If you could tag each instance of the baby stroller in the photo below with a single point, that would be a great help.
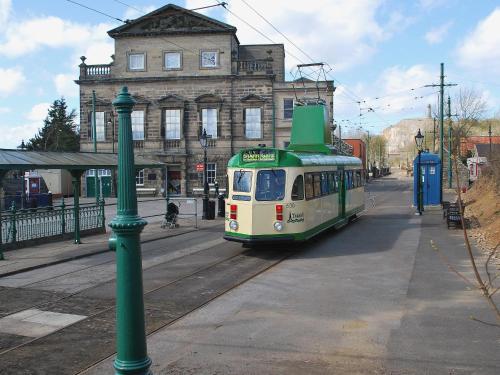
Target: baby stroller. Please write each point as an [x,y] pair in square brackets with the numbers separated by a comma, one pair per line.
[170,219]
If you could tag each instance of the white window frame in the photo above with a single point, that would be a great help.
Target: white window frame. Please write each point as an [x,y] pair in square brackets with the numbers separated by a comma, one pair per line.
[100,126]
[104,172]
[139,177]
[210,66]
[165,60]
[211,173]
[208,121]
[137,118]
[130,56]
[173,128]
[253,123]
[293,105]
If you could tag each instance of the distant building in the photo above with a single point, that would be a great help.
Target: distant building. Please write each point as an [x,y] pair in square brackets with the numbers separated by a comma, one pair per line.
[188,72]
[481,158]
[467,144]
[358,149]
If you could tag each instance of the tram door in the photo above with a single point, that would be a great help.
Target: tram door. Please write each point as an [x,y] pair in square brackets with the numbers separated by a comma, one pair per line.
[341,192]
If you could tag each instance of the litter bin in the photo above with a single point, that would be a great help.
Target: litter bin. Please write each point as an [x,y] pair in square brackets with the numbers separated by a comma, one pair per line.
[211,210]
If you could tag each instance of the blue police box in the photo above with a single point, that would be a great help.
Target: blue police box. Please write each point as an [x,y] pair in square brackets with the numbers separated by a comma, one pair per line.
[430,170]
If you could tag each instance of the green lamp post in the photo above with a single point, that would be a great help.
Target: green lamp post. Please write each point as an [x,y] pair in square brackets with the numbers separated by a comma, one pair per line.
[131,357]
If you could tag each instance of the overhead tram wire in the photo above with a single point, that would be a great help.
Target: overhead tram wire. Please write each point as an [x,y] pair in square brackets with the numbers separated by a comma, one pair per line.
[126,21]
[257,30]
[95,10]
[283,35]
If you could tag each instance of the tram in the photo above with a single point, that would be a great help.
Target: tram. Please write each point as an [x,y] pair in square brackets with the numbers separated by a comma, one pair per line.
[293,194]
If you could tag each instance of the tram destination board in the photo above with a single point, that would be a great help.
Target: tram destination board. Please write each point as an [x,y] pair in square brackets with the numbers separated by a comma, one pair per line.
[249,156]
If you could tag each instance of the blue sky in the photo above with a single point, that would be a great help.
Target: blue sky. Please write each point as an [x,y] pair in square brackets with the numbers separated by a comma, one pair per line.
[376,48]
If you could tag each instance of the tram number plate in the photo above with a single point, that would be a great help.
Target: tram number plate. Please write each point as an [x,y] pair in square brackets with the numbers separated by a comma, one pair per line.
[258,155]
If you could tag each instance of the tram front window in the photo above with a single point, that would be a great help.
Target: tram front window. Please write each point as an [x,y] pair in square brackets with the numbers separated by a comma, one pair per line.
[270,185]
[242,181]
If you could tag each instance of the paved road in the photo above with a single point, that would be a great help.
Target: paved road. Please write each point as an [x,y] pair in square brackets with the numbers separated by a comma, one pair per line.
[372,298]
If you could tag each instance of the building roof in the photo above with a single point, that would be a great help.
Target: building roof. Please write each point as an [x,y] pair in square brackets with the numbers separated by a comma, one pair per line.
[171,19]
[18,159]
[483,150]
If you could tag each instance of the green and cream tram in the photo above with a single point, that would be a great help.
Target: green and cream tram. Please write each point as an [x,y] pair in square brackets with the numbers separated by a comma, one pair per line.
[293,194]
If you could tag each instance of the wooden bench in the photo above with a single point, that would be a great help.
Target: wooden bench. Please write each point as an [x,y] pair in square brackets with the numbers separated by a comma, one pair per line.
[141,191]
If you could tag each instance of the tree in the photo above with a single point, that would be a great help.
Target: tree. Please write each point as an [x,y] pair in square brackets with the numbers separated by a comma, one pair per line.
[470,107]
[59,132]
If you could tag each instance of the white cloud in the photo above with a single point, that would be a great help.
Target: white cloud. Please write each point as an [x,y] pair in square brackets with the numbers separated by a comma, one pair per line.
[431,4]
[13,135]
[437,35]
[65,85]
[480,50]
[394,90]
[38,113]
[5,9]
[4,110]
[11,80]
[343,33]
[28,36]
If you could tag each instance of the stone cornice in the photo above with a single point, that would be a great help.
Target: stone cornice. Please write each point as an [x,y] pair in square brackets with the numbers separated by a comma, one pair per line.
[182,78]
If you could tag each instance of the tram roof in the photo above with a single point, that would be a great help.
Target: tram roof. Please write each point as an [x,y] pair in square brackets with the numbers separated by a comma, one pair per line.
[20,159]
[249,158]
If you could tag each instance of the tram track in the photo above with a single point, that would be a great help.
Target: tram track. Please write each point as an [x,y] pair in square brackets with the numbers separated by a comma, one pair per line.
[164,305]
[32,286]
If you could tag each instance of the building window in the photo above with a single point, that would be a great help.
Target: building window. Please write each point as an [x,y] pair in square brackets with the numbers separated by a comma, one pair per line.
[209,59]
[139,177]
[137,125]
[253,129]
[173,60]
[172,124]
[287,108]
[209,121]
[211,172]
[136,61]
[99,126]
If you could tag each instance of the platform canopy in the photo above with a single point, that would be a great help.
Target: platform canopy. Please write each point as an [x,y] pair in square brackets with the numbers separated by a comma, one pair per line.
[20,159]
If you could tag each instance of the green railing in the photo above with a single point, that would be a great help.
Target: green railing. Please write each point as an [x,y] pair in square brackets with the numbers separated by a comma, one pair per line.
[18,226]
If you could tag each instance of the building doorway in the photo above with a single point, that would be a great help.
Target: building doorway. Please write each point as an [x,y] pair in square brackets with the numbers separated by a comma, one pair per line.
[174,181]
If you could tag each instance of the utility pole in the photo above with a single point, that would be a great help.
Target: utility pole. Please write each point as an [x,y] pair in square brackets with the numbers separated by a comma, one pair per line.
[434,136]
[449,144]
[441,86]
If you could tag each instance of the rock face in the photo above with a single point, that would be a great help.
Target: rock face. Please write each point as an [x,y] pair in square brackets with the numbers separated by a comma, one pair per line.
[401,146]
[401,139]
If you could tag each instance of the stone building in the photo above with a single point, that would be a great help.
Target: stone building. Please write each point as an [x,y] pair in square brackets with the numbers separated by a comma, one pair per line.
[188,72]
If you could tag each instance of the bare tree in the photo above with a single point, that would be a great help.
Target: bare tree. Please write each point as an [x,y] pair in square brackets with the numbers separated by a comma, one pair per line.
[470,107]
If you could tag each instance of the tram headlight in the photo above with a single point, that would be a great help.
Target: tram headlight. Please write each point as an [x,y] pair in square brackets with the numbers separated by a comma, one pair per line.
[233,224]
[278,226]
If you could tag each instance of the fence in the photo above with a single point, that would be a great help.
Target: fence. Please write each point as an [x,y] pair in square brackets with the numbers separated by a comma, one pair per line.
[21,227]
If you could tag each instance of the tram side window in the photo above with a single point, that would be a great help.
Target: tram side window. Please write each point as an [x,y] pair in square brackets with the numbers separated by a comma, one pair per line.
[324,183]
[336,177]
[298,189]
[242,181]
[317,184]
[270,185]
[331,183]
[309,186]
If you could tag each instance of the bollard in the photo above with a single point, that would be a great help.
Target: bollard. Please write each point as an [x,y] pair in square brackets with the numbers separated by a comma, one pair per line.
[131,349]
[221,205]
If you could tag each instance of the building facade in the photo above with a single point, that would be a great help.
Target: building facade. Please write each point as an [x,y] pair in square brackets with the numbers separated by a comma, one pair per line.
[189,73]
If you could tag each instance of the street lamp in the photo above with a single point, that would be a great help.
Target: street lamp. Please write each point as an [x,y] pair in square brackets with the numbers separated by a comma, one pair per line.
[204,144]
[419,139]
